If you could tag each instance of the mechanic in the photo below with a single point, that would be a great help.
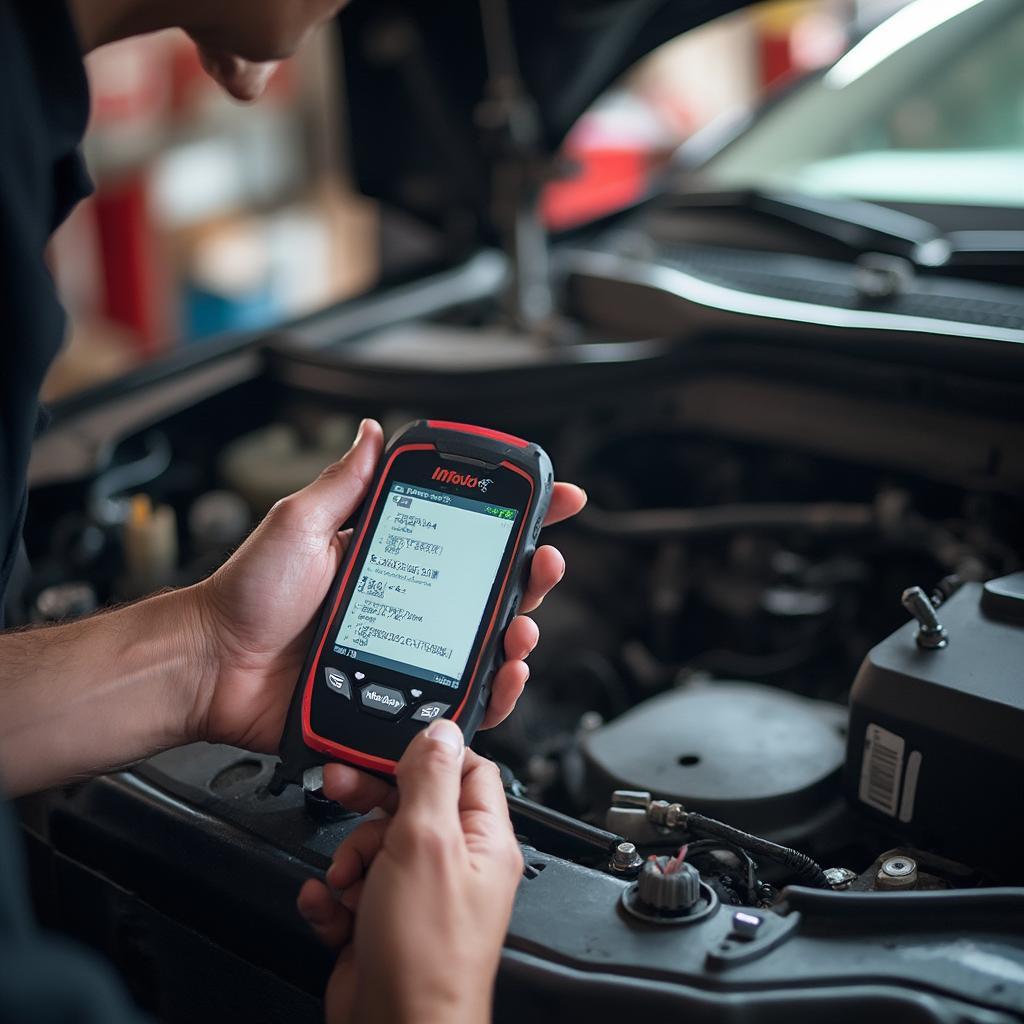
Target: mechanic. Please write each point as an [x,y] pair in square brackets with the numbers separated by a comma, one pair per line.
[420,934]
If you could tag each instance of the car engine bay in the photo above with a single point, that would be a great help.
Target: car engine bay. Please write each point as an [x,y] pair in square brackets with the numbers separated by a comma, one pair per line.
[768,765]
[740,775]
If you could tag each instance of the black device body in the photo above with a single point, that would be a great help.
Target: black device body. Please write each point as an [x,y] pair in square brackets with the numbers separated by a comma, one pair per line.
[447,532]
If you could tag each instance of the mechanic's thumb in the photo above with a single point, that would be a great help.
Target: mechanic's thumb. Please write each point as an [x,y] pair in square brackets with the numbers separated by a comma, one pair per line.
[336,493]
[430,775]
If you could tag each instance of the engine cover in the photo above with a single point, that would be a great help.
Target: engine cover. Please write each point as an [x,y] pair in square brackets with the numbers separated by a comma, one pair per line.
[759,758]
[935,744]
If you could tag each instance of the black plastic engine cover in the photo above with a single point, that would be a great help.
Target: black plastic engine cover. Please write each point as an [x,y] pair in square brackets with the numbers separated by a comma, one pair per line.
[755,756]
[936,741]
[184,872]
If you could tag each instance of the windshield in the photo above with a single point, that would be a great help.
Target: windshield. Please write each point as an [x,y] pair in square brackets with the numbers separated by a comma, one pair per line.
[928,107]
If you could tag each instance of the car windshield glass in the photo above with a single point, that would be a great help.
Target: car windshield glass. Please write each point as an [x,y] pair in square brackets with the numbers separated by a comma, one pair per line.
[928,107]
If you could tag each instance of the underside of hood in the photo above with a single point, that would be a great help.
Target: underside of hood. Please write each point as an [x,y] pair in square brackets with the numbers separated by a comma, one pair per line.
[448,119]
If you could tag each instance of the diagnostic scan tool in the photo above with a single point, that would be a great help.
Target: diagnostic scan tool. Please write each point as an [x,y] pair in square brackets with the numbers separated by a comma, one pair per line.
[412,628]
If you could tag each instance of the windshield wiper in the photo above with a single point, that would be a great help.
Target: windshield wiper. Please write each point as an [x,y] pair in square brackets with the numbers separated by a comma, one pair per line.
[994,248]
[867,227]
[859,225]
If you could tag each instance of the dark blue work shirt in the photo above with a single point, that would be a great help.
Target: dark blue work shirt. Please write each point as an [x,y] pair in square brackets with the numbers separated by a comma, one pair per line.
[44,105]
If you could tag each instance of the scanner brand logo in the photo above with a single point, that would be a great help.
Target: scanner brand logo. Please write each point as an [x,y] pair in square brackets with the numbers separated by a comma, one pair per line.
[449,476]
[375,697]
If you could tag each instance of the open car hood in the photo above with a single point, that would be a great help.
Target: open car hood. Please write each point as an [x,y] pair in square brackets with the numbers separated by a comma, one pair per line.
[432,125]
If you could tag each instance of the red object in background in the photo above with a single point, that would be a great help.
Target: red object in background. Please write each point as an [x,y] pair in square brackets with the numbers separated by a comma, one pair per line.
[130,87]
[776,55]
[188,79]
[605,180]
[794,39]
[131,292]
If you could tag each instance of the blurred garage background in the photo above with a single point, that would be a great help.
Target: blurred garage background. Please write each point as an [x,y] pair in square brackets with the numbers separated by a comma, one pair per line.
[211,216]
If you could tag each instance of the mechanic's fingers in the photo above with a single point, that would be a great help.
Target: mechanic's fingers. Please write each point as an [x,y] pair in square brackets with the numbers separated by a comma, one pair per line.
[334,495]
[351,896]
[243,79]
[330,922]
[482,789]
[483,813]
[429,777]
[507,688]
[566,501]
[546,569]
[521,638]
[357,790]
[355,854]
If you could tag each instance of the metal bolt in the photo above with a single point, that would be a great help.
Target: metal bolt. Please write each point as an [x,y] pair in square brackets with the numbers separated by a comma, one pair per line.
[931,634]
[839,878]
[675,816]
[897,867]
[625,858]
[656,811]
[665,815]
[899,872]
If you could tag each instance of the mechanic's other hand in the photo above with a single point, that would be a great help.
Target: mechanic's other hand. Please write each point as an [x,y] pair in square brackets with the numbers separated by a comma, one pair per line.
[258,609]
[421,901]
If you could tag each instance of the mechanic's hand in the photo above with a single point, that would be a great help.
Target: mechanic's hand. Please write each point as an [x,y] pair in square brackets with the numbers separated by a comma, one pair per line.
[424,897]
[259,608]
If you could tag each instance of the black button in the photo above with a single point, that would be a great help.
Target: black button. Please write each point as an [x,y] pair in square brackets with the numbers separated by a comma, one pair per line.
[382,699]
[338,681]
[428,712]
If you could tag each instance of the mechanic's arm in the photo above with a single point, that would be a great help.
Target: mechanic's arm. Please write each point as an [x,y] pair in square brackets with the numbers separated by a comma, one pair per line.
[217,661]
[88,696]
[423,897]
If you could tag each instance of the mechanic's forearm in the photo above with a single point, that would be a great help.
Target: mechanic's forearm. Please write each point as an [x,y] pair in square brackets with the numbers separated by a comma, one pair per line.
[85,697]
[389,1005]
[464,996]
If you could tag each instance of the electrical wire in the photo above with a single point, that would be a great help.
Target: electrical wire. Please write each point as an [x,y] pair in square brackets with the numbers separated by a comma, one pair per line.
[804,868]
[706,847]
